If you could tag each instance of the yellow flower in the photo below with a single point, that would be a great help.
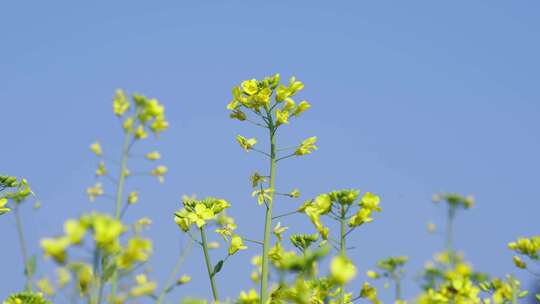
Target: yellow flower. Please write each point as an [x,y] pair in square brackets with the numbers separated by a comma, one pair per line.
[236,244]
[101,169]
[63,277]
[372,274]
[527,246]
[250,87]
[213,245]
[294,85]
[154,155]
[3,208]
[468,202]
[159,125]
[289,105]
[431,227]
[181,218]
[238,114]
[128,124]
[96,148]
[144,221]
[143,287]
[370,293]
[160,172]
[94,191]
[133,197]
[137,250]
[154,109]
[85,276]
[45,286]
[262,98]
[250,297]
[74,231]
[301,108]
[370,201]
[55,248]
[278,231]
[200,215]
[245,143]
[257,179]
[263,195]
[360,217]
[183,280]
[519,262]
[226,231]
[282,117]
[140,133]
[295,193]
[307,146]
[342,269]
[282,93]
[107,231]
[120,103]
[313,209]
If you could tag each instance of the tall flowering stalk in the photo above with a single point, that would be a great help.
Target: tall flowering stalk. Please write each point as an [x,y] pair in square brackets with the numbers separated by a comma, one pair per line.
[199,214]
[268,104]
[391,269]
[350,211]
[137,117]
[112,259]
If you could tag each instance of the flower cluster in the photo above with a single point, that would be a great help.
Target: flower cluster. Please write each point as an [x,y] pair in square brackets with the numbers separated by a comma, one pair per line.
[266,95]
[26,298]
[198,212]
[18,191]
[104,232]
[337,204]
[526,246]
[454,199]
[147,113]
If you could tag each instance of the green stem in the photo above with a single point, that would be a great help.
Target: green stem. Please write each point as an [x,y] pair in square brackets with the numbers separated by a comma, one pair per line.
[342,248]
[96,294]
[119,198]
[209,266]
[122,178]
[176,268]
[24,252]
[268,216]
[397,280]
[450,235]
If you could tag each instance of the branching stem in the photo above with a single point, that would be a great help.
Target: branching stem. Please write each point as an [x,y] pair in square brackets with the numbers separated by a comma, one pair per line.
[268,214]
[119,196]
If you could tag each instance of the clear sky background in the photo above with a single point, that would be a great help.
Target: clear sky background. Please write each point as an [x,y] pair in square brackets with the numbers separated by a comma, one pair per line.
[409,98]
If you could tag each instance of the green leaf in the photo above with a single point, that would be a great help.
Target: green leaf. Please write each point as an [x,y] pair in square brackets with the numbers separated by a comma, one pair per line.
[218,267]
[538,297]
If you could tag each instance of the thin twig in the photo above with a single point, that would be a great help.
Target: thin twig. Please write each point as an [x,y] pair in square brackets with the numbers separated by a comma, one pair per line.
[285,157]
[350,230]
[253,241]
[259,151]
[285,214]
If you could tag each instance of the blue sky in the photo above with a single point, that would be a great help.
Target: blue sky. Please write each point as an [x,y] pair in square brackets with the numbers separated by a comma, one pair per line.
[409,98]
